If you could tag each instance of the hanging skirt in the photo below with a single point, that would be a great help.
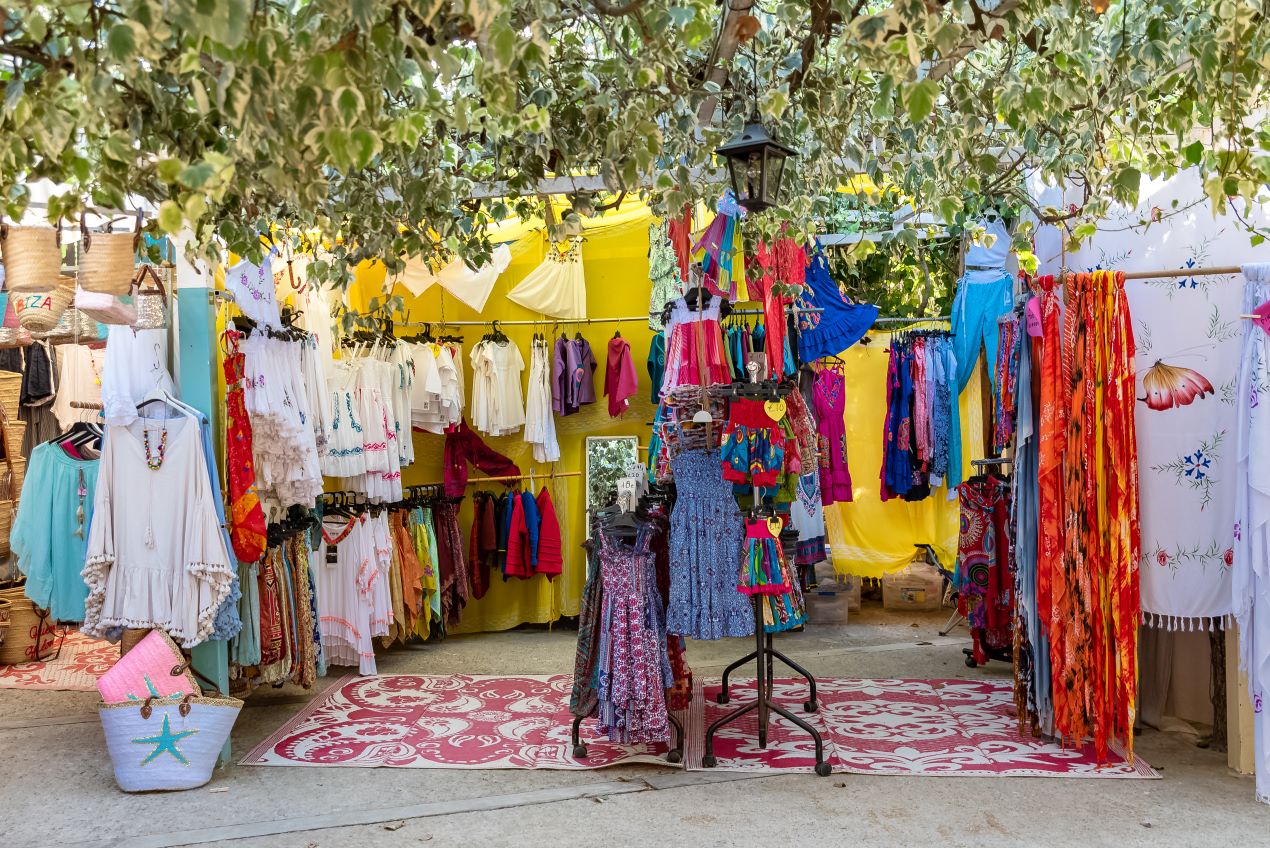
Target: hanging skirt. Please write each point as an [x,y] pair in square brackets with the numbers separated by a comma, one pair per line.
[763,570]
[787,610]
[683,356]
[753,449]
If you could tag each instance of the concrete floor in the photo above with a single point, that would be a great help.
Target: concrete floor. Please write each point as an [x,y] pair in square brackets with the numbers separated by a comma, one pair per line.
[56,786]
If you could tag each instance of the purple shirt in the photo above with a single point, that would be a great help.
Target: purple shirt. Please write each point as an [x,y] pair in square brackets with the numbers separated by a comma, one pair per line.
[582,367]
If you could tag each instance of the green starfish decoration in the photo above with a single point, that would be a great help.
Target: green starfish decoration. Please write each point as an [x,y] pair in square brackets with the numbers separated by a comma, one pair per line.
[165,742]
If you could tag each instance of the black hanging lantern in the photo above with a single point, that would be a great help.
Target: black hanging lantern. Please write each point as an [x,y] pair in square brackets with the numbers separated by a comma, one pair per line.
[756,163]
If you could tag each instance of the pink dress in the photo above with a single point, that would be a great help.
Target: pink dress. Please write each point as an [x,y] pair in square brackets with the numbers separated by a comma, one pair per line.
[829,399]
[683,353]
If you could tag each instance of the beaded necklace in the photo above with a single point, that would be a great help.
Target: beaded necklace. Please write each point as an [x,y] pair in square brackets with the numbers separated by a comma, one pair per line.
[154,461]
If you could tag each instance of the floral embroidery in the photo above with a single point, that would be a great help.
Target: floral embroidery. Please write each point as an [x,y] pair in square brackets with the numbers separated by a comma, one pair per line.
[1179,556]
[1195,469]
[352,419]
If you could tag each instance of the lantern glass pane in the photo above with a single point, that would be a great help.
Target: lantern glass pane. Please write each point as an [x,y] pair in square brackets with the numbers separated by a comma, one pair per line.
[753,176]
[775,171]
[733,167]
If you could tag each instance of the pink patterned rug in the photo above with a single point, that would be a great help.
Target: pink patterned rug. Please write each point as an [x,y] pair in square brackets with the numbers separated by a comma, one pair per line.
[75,669]
[900,727]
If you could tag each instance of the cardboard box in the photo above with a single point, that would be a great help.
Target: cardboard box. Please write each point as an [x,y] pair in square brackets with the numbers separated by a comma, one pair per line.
[835,597]
[917,587]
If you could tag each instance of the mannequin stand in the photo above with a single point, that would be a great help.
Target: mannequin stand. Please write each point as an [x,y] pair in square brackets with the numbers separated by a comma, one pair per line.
[765,655]
[674,756]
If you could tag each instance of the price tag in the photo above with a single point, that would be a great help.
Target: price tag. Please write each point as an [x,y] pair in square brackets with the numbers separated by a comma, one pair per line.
[775,526]
[1033,316]
[332,555]
[775,409]
[628,493]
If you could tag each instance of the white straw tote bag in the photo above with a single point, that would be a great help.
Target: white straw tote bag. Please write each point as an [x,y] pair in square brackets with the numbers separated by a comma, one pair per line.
[32,257]
[167,743]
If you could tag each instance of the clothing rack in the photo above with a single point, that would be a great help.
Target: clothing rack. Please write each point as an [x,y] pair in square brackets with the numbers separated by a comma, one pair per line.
[471,481]
[895,319]
[764,655]
[440,324]
[1001,460]
[622,319]
[85,404]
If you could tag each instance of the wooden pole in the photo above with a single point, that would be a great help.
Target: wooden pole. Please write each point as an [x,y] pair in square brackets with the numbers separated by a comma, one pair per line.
[1166,273]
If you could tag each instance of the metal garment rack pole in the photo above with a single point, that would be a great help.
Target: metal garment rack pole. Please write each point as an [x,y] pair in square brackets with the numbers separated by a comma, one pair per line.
[895,319]
[476,481]
[1129,275]
[764,655]
[625,319]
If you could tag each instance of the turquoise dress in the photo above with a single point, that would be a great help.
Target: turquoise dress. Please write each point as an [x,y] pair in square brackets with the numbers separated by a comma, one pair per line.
[50,534]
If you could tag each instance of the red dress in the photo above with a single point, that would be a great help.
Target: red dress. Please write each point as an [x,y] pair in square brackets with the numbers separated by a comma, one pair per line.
[246,518]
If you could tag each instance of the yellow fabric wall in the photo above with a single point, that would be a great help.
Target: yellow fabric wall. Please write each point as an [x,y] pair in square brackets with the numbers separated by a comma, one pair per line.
[615,261]
[868,537]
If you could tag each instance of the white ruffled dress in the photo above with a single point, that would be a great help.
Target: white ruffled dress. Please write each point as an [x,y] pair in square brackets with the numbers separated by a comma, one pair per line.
[156,555]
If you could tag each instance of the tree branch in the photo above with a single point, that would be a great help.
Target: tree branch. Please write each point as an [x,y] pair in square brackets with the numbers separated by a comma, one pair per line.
[823,20]
[980,31]
[33,56]
[616,10]
[725,45]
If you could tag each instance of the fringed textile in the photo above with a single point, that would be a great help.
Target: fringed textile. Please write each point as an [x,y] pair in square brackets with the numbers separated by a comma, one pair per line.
[1095,601]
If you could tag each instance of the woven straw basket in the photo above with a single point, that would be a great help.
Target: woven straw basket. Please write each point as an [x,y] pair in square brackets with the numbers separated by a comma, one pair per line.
[10,484]
[32,636]
[32,259]
[10,393]
[6,610]
[107,262]
[11,332]
[12,475]
[39,313]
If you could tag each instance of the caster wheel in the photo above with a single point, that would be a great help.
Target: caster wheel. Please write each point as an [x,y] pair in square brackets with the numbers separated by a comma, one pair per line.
[970,663]
[674,757]
[824,769]
[810,706]
[579,752]
[721,698]
[708,761]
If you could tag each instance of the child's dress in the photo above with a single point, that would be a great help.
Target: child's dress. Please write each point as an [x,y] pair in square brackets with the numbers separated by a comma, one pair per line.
[689,356]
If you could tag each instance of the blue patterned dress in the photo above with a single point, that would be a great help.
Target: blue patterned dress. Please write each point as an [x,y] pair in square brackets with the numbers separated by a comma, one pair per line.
[706,536]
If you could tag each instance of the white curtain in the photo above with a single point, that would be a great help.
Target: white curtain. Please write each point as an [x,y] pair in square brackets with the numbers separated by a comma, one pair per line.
[1251,572]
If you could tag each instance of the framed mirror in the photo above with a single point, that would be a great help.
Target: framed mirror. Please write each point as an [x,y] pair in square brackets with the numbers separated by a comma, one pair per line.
[608,460]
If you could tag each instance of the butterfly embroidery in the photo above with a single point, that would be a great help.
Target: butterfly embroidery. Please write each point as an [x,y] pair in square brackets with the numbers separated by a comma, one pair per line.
[1167,386]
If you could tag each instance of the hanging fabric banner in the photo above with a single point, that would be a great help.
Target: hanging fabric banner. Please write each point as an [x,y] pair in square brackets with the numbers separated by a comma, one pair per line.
[1252,515]
[1187,331]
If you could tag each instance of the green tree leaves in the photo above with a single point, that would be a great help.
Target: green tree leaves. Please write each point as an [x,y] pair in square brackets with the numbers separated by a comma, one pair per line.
[919,99]
[385,124]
